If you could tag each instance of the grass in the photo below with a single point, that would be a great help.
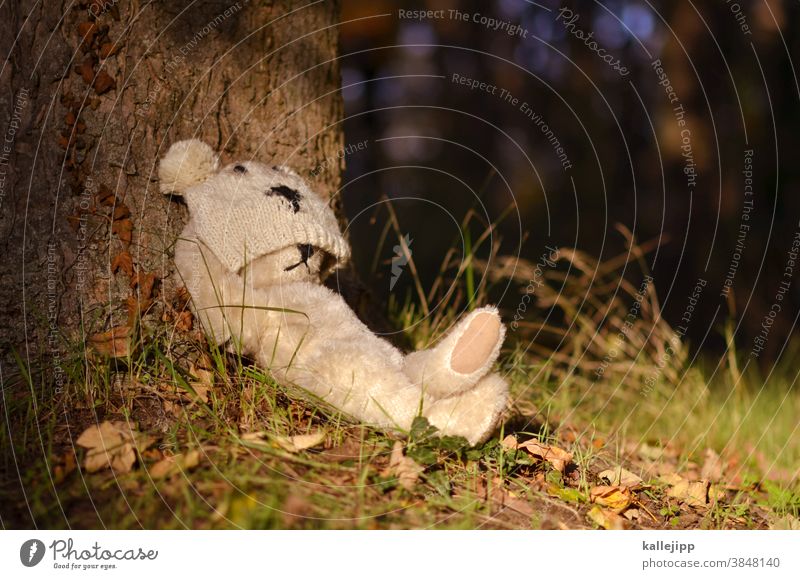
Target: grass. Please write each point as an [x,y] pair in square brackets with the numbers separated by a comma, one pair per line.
[655,415]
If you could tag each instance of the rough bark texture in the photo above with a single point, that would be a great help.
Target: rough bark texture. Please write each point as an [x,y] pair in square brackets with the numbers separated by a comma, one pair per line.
[93,94]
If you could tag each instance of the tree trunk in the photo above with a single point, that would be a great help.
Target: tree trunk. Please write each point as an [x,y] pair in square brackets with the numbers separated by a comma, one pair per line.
[94,96]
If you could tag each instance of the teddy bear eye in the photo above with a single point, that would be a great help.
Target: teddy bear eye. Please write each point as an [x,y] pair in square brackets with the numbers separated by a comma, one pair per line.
[287,193]
[240,169]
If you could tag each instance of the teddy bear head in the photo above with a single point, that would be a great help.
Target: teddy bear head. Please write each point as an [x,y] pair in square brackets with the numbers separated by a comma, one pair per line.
[260,221]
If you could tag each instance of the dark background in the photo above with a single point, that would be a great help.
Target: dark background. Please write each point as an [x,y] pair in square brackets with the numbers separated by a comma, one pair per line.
[431,144]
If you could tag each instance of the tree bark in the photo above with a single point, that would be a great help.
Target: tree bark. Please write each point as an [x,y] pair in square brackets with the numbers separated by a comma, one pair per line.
[95,92]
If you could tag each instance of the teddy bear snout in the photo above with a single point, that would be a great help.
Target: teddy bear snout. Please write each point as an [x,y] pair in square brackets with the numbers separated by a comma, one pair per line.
[306,251]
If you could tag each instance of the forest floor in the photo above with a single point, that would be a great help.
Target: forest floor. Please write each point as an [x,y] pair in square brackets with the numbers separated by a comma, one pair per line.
[211,448]
[177,435]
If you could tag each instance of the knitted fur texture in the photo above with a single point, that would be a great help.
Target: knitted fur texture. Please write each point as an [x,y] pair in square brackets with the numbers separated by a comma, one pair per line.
[253,255]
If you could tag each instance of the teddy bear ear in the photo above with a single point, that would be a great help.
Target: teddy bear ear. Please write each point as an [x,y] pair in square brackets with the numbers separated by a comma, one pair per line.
[186,164]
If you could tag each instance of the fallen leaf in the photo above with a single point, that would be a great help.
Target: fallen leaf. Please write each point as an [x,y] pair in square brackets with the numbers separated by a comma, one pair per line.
[508,500]
[619,476]
[174,464]
[203,383]
[122,261]
[557,457]
[110,445]
[692,493]
[106,196]
[300,441]
[115,342]
[123,228]
[712,467]
[617,498]
[404,468]
[510,442]
[86,69]
[87,30]
[785,523]
[183,321]
[631,514]
[671,478]
[607,519]
[109,49]
[104,83]
[146,283]
[121,211]
[259,436]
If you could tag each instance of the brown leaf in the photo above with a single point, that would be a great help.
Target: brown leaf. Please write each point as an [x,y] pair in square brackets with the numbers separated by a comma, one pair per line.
[110,445]
[86,70]
[404,468]
[183,321]
[104,83]
[204,381]
[121,211]
[122,261]
[175,464]
[146,282]
[300,442]
[87,30]
[108,49]
[557,457]
[617,498]
[115,343]
[619,476]
[607,519]
[123,229]
[105,196]
[692,493]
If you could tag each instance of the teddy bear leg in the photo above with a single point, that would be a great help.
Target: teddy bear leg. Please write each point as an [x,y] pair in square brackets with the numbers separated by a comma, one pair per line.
[473,414]
[462,358]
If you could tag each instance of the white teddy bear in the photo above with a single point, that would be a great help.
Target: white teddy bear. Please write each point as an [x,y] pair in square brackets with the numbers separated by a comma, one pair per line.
[253,255]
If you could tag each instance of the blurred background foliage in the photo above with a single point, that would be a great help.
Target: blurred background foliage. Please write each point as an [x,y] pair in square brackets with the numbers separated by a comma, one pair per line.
[436,149]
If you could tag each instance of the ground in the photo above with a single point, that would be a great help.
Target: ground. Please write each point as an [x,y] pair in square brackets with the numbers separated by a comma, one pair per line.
[171,433]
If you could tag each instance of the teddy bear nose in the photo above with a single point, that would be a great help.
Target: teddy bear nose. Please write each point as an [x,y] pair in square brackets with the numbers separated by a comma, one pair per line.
[306,251]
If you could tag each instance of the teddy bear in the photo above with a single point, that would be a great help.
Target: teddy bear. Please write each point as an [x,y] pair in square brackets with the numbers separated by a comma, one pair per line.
[253,256]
